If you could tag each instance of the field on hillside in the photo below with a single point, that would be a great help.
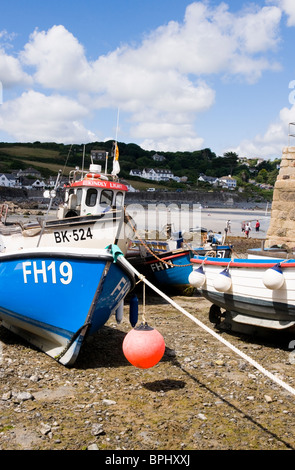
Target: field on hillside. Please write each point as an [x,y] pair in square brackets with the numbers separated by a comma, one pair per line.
[47,161]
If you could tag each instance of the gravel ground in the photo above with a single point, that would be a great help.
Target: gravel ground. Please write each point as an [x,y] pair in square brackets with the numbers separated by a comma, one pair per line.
[200,396]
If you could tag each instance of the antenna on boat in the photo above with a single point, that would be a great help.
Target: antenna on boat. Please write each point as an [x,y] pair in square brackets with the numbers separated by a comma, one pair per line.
[117,126]
[106,165]
[52,196]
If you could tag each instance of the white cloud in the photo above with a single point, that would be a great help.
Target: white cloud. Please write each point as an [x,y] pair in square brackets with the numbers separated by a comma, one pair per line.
[181,144]
[270,144]
[34,116]
[163,84]
[257,30]
[11,72]
[288,8]
[212,41]
[58,57]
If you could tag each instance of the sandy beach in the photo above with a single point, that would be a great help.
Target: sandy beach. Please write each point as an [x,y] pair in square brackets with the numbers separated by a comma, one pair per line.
[184,218]
[216,219]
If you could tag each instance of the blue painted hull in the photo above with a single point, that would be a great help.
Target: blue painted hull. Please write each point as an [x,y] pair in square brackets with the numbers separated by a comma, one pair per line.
[54,298]
[173,269]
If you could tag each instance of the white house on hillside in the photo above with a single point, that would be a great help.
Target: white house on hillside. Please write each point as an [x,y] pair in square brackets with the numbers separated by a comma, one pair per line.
[39,184]
[158,158]
[8,180]
[158,174]
[208,179]
[29,172]
[135,173]
[228,182]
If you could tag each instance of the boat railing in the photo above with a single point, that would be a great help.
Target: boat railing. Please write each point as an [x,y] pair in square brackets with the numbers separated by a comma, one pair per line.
[79,174]
[76,175]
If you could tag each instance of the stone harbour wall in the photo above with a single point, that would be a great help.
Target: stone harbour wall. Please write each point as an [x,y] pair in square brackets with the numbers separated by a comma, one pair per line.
[282,223]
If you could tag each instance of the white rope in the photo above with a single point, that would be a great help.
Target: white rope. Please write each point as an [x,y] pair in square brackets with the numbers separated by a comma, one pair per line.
[211,332]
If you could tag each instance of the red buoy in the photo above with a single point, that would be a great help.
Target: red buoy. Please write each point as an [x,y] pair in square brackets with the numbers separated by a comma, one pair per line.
[143,346]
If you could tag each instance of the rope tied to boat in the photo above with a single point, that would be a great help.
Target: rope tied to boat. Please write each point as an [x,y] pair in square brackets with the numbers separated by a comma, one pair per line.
[251,361]
[169,263]
[142,279]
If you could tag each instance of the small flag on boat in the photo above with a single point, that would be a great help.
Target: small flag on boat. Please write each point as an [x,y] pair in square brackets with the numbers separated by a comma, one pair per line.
[116,165]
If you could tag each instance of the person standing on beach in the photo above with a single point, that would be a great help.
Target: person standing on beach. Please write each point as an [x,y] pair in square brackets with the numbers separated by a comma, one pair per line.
[243,227]
[228,226]
[257,226]
[247,229]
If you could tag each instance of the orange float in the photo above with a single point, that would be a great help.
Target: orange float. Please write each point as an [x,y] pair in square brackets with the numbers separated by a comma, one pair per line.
[143,346]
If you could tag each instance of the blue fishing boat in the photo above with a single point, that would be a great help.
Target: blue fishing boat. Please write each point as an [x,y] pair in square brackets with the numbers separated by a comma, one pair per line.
[54,298]
[58,281]
[172,269]
[168,262]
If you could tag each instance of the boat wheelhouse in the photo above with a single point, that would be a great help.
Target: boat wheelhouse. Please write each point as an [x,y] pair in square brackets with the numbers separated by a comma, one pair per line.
[92,215]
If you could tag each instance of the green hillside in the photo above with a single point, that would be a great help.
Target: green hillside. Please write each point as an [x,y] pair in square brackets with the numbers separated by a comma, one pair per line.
[50,157]
[48,161]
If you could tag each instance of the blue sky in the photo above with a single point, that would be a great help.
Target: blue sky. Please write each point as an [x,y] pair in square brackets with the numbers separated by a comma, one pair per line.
[184,75]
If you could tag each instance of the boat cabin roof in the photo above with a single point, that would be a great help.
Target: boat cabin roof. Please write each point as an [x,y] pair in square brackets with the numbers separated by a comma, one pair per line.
[94,178]
[98,183]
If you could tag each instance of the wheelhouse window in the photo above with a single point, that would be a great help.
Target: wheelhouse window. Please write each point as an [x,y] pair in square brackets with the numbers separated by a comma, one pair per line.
[79,196]
[106,197]
[119,200]
[91,197]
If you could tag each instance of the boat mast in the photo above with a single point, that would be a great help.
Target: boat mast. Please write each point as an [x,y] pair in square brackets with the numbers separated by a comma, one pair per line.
[83,159]
[52,196]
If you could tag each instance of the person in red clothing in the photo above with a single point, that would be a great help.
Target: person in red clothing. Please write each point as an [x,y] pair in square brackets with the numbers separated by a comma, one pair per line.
[257,226]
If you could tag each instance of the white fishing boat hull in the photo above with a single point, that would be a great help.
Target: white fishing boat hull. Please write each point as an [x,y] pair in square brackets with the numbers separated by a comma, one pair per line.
[91,216]
[246,298]
[93,231]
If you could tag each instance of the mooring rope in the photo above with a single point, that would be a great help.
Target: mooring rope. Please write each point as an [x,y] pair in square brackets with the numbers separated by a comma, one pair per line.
[251,361]
[151,252]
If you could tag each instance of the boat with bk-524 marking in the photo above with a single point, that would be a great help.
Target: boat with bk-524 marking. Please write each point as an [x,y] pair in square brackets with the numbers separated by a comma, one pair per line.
[61,279]
[92,215]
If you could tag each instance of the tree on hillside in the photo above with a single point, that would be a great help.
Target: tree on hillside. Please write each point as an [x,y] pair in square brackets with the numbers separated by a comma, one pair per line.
[262,176]
[231,161]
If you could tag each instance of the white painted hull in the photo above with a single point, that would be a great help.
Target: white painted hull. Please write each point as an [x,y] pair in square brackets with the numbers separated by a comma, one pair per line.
[95,232]
[248,300]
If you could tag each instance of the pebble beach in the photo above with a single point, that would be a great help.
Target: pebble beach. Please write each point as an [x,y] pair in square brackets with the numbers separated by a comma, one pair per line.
[200,396]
